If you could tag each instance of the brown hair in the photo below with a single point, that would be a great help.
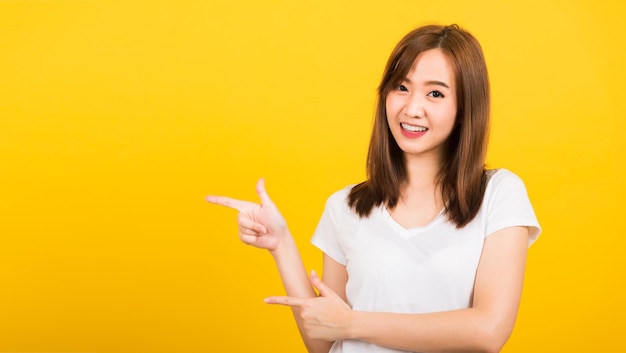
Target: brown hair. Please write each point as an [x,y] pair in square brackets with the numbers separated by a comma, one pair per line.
[462,176]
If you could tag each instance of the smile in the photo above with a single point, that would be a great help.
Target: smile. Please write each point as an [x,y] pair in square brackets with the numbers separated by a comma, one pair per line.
[413,128]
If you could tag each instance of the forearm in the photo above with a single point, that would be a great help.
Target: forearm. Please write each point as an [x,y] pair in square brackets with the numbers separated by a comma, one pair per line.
[291,269]
[295,280]
[465,330]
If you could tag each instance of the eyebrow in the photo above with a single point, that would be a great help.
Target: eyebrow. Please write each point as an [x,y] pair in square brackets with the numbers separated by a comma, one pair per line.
[430,82]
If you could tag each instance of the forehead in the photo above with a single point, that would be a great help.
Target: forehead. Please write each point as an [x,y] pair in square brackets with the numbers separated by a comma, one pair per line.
[432,65]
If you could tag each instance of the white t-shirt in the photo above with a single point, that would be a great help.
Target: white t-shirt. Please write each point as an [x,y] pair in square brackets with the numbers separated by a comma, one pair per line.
[419,270]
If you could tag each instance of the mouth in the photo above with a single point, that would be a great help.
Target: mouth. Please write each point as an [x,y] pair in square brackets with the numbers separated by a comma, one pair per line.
[413,128]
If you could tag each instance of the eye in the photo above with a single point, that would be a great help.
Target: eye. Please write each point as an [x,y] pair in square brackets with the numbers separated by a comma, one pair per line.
[402,88]
[435,94]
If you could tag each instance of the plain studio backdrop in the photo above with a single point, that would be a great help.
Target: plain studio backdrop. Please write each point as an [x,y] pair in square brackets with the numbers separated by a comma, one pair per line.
[118,117]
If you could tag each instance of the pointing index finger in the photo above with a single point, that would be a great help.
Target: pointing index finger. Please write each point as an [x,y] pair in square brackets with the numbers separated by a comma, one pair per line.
[227,202]
[287,301]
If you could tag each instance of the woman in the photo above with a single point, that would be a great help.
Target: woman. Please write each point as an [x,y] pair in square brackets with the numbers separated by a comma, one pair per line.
[428,254]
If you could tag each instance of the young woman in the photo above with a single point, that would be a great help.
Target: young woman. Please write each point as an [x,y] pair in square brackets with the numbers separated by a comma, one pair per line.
[428,254]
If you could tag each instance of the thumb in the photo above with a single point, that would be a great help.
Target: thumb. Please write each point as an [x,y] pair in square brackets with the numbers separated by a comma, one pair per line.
[260,190]
[321,287]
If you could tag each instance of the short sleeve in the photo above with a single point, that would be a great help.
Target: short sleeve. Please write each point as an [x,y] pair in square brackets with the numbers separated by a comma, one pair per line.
[331,229]
[507,205]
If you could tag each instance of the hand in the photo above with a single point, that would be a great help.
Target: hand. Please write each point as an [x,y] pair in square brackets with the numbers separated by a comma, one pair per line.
[259,225]
[325,317]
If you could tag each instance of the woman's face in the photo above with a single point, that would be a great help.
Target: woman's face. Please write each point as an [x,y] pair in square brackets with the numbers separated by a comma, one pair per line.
[421,111]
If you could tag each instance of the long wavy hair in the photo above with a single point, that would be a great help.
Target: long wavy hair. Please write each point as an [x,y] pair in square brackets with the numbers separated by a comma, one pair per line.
[462,178]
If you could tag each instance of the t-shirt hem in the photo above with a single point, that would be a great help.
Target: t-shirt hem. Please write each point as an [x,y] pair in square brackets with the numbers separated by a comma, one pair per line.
[534,230]
[327,249]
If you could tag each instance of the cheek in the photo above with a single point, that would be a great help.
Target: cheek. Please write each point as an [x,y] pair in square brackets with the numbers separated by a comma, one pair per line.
[450,113]
[391,107]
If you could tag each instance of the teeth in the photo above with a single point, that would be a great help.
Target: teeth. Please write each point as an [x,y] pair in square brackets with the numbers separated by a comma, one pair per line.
[413,128]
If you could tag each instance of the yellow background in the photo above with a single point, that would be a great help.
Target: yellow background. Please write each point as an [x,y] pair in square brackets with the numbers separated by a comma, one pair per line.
[118,117]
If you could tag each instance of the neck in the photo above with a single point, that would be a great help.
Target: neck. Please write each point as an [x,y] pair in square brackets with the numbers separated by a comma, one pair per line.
[422,173]
[420,196]
[421,185]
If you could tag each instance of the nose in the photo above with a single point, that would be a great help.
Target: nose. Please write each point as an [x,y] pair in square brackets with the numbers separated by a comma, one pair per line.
[414,106]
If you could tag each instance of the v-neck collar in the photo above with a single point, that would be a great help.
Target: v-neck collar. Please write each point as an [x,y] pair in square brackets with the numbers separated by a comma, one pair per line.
[409,232]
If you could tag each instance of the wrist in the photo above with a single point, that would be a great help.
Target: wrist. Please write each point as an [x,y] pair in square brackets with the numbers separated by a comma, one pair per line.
[351,328]
[285,245]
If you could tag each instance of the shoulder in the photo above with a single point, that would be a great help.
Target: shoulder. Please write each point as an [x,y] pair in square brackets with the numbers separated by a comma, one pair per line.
[337,202]
[503,180]
[505,191]
[339,198]
[340,195]
[500,174]
[506,203]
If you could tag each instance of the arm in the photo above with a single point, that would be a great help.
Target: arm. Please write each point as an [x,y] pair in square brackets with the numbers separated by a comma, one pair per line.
[264,227]
[335,277]
[485,327]
[296,283]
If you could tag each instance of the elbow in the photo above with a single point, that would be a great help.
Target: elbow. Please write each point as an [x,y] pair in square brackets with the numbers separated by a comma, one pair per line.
[494,348]
[317,346]
[491,338]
